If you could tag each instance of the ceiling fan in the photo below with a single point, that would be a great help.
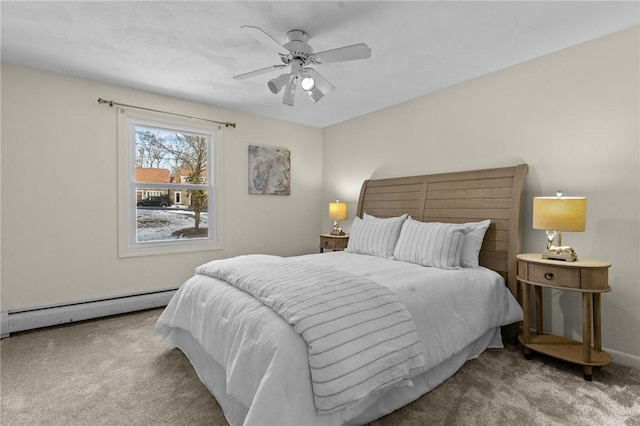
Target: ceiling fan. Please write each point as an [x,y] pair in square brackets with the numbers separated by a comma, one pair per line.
[300,56]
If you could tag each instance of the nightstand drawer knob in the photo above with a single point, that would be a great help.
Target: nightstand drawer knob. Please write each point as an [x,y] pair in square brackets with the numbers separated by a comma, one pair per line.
[548,276]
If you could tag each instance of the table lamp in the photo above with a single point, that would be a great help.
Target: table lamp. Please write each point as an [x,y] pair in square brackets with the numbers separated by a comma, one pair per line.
[556,214]
[337,211]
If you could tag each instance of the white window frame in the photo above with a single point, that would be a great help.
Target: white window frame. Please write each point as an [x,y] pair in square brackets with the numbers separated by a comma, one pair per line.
[128,246]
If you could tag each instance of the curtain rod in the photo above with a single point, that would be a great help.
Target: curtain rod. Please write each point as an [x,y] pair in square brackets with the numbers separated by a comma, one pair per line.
[112,103]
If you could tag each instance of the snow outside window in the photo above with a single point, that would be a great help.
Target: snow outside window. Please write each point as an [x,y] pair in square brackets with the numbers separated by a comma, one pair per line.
[169,185]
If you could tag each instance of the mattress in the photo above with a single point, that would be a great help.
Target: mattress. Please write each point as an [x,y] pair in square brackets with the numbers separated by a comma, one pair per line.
[256,365]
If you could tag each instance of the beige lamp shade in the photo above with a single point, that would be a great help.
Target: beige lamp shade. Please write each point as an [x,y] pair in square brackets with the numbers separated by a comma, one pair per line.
[560,213]
[338,211]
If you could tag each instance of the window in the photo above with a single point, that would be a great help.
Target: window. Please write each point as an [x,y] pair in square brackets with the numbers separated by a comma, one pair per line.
[169,187]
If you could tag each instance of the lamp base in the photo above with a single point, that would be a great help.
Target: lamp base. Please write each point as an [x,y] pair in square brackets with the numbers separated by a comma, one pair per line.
[336,229]
[564,253]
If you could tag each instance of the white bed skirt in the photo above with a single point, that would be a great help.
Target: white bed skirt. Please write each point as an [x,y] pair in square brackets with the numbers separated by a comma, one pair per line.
[213,375]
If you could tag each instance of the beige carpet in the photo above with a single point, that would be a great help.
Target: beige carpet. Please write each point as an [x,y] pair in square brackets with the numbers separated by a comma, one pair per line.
[117,371]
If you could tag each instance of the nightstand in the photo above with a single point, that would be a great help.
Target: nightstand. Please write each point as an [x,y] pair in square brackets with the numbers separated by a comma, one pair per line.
[333,242]
[590,277]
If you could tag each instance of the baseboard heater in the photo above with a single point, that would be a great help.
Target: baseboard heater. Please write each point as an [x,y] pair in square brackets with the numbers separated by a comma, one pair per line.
[29,319]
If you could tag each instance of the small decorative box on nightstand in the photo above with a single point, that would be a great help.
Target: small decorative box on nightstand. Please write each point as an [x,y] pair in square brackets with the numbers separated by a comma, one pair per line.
[333,242]
[587,276]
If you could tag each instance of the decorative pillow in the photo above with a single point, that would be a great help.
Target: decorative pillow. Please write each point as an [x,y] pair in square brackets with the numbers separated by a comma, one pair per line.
[375,236]
[472,243]
[431,243]
[367,216]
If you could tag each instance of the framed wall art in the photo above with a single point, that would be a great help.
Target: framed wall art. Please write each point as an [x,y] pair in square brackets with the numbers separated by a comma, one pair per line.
[269,170]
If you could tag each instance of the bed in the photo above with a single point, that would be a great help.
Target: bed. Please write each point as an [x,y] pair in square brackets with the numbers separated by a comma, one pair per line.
[430,266]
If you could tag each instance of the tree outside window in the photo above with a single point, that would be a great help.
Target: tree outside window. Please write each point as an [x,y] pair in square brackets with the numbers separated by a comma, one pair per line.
[184,156]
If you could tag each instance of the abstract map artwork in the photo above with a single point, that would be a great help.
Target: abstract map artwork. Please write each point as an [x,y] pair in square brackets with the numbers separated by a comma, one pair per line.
[269,170]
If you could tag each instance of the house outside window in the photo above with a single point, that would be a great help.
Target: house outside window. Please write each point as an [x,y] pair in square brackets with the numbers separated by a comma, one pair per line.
[169,188]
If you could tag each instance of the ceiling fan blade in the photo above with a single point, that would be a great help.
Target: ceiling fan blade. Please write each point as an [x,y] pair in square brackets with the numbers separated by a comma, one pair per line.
[322,83]
[258,72]
[347,53]
[264,38]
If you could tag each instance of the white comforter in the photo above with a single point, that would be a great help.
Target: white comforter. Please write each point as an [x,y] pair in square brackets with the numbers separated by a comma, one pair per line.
[266,362]
[360,337]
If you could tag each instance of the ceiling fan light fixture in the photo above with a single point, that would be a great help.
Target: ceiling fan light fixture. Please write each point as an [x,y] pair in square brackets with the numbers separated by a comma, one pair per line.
[321,83]
[307,83]
[315,94]
[290,92]
[276,84]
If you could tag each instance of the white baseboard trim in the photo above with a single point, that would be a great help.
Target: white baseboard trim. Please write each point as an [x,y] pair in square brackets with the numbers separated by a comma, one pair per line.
[29,319]
[623,358]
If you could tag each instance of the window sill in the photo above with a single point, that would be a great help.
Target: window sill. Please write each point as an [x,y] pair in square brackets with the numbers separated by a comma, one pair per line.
[158,249]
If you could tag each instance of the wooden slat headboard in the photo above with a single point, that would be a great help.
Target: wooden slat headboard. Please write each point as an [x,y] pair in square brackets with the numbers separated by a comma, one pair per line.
[458,197]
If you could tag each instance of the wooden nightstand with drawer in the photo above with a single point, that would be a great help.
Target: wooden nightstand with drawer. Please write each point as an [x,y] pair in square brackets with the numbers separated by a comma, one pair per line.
[587,276]
[333,242]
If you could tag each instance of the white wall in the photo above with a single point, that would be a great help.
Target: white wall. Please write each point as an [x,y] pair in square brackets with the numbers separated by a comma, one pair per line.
[59,192]
[573,116]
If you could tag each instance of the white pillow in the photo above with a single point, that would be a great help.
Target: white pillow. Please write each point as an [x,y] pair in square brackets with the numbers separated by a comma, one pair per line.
[367,216]
[472,243]
[431,243]
[375,236]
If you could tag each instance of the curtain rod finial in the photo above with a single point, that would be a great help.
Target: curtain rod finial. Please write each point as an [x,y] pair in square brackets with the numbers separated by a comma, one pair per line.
[103,101]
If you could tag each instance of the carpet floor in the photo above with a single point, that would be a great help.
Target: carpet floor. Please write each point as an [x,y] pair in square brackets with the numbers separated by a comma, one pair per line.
[117,371]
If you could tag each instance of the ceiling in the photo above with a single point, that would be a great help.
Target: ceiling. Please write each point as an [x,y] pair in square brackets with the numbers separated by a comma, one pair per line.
[192,49]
